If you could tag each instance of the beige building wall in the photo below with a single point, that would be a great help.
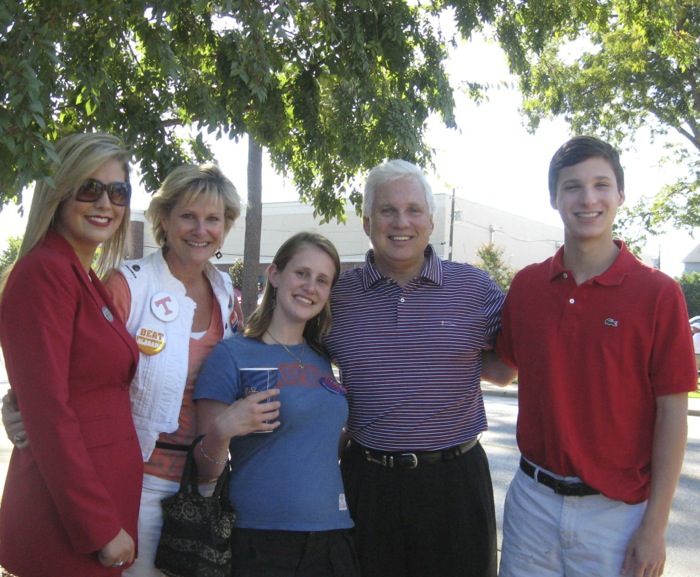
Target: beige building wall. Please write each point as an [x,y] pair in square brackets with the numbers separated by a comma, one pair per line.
[524,240]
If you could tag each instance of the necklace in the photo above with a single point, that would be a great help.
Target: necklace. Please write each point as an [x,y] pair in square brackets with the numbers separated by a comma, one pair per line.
[298,359]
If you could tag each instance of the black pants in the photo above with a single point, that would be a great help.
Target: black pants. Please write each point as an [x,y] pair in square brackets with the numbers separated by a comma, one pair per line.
[260,553]
[432,521]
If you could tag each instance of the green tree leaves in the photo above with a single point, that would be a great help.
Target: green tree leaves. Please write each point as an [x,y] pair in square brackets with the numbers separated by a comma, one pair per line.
[330,88]
[612,68]
[9,255]
[690,283]
[490,259]
[235,271]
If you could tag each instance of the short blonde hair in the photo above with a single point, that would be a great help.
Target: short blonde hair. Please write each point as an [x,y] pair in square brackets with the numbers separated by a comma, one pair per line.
[186,183]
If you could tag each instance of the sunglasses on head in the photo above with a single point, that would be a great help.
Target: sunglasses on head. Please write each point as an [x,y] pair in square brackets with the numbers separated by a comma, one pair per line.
[91,190]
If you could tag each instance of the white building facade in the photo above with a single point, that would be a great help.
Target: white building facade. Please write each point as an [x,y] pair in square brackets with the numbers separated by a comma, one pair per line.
[461,227]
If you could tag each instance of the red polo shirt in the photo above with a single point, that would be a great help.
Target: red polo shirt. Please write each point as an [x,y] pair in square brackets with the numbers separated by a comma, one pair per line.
[591,359]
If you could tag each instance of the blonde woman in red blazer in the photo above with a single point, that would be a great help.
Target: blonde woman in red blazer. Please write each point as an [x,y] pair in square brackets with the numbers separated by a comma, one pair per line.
[71,500]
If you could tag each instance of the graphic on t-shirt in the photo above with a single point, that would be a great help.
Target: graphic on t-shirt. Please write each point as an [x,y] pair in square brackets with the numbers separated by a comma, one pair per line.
[330,384]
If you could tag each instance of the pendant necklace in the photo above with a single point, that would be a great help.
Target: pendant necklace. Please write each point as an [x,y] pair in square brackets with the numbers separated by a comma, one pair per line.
[298,359]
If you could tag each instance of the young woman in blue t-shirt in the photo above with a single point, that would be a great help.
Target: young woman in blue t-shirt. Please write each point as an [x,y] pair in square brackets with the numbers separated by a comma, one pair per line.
[286,485]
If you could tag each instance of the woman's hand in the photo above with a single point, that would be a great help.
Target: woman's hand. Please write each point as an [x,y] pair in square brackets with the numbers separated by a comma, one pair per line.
[119,551]
[12,421]
[255,413]
[220,422]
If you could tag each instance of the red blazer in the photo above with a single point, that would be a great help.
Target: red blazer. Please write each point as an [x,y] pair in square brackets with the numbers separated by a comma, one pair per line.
[69,360]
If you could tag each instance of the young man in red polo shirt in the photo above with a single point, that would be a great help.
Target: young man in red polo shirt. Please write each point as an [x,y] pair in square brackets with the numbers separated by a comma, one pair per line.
[604,355]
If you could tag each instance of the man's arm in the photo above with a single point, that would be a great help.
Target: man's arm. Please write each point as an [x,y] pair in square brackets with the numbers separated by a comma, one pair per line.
[646,551]
[495,371]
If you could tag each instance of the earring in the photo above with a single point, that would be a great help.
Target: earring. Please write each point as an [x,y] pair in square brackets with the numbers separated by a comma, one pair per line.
[218,254]
[273,303]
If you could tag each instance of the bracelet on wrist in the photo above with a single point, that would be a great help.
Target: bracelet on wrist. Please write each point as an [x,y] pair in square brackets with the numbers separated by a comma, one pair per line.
[207,457]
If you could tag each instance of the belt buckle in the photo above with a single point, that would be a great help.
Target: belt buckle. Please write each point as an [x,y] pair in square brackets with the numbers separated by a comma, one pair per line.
[392,461]
[414,460]
[373,459]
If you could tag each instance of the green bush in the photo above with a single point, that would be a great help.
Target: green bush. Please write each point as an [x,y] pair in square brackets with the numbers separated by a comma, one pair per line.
[690,283]
[236,273]
[490,259]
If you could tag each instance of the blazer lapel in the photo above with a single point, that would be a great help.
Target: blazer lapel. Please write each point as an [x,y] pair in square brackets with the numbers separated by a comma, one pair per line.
[103,301]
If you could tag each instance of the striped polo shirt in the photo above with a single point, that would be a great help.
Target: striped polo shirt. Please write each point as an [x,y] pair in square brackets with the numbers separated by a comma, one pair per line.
[410,357]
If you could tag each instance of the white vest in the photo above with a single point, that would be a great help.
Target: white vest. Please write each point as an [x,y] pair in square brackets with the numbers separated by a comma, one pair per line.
[160,320]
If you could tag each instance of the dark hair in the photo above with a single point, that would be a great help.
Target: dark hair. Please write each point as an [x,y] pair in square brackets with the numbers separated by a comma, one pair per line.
[317,327]
[577,150]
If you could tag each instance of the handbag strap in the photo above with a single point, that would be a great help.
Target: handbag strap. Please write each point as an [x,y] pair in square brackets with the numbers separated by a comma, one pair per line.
[172,446]
[223,482]
[189,482]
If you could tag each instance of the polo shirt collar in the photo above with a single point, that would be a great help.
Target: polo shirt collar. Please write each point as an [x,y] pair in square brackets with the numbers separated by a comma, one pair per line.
[615,274]
[432,271]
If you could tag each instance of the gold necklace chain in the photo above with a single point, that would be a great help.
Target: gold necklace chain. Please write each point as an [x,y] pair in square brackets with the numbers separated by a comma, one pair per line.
[298,359]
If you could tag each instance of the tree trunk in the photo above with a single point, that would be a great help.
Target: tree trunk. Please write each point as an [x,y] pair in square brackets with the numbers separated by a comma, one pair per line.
[253,226]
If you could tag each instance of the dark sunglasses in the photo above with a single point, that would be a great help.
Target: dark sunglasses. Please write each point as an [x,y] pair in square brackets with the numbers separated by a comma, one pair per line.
[91,190]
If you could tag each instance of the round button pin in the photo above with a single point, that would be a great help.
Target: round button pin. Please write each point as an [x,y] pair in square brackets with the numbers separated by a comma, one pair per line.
[108,314]
[164,306]
[150,341]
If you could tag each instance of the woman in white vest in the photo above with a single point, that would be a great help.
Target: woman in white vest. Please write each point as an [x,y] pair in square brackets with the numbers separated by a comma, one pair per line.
[177,306]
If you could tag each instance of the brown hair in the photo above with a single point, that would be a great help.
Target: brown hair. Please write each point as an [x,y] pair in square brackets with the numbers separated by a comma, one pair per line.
[316,328]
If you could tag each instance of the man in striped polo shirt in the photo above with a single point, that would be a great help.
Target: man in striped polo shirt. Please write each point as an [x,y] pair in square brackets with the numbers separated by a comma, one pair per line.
[409,335]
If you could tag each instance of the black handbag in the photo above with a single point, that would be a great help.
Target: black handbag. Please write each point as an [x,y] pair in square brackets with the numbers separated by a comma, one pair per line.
[196,536]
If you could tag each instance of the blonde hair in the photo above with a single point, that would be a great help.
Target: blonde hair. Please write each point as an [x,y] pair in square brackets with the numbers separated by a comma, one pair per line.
[186,183]
[79,156]
[317,328]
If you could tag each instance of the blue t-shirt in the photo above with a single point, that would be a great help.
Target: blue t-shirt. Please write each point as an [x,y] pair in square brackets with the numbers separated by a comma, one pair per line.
[288,479]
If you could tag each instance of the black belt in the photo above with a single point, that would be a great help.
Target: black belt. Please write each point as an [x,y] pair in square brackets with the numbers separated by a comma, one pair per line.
[565,488]
[412,460]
